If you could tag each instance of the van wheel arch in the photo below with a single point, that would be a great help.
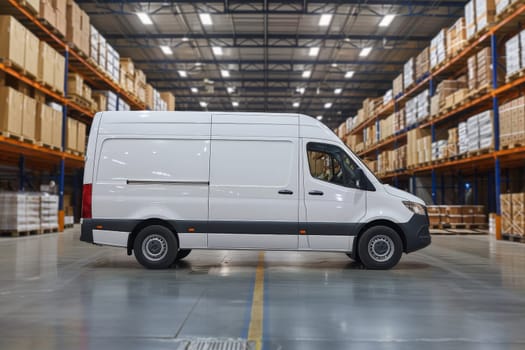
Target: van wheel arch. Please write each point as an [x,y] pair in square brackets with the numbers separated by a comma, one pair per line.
[145,223]
[392,225]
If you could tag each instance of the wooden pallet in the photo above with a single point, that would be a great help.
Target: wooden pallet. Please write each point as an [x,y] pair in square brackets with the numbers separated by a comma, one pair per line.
[508,10]
[15,233]
[77,49]
[513,238]
[9,135]
[512,145]
[73,152]
[479,92]
[514,76]
[480,152]
[79,100]
[49,230]
[42,144]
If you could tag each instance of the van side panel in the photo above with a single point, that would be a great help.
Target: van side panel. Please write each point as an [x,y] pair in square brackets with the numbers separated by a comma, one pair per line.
[152,178]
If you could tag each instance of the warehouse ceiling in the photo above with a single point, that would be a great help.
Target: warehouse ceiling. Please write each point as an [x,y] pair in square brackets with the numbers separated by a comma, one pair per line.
[275,56]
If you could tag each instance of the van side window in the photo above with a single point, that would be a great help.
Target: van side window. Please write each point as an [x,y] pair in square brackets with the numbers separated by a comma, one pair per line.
[331,164]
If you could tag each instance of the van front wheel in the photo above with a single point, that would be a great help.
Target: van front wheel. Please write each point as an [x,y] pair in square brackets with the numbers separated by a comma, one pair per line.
[155,247]
[380,247]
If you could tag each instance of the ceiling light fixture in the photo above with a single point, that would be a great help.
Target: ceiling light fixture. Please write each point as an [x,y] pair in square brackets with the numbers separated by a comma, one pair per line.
[295,105]
[194,90]
[225,73]
[205,19]
[319,117]
[325,19]
[314,51]
[166,50]
[387,19]
[183,73]
[300,90]
[185,39]
[349,74]
[338,91]
[235,104]
[203,104]
[328,105]
[230,89]
[334,65]
[365,51]
[217,50]
[307,73]
[144,18]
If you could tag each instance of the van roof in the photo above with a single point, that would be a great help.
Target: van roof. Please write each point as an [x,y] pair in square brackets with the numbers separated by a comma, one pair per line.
[190,116]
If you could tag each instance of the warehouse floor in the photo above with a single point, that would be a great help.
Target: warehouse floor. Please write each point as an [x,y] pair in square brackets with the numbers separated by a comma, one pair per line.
[463,292]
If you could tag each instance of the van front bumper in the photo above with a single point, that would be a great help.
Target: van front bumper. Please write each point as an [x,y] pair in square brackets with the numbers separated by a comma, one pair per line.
[417,233]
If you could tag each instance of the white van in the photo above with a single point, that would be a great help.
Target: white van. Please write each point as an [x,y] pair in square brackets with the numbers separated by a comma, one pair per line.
[163,183]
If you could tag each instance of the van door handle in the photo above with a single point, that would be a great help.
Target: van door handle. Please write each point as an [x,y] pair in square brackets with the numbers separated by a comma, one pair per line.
[316,193]
[285,192]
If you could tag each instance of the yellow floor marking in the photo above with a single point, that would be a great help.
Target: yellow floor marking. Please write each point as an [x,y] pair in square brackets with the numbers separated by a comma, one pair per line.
[255,330]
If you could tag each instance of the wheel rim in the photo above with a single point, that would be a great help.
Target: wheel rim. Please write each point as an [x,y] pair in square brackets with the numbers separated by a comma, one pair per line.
[381,248]
[155,247]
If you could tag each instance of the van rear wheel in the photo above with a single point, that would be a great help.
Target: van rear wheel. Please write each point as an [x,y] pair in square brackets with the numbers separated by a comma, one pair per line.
[380,248]
[182,254]
[155,247]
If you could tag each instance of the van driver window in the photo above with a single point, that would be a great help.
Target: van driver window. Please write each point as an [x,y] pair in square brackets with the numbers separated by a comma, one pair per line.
[331,164]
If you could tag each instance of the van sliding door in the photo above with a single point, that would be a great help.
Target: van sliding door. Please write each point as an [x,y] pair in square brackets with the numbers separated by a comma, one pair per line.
[254,195]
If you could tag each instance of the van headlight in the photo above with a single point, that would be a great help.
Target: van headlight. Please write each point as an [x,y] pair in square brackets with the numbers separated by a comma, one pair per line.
[415,208]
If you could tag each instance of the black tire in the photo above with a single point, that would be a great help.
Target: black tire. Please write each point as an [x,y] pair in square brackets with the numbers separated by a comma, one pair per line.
[155,247]
[379,248]
[182,254]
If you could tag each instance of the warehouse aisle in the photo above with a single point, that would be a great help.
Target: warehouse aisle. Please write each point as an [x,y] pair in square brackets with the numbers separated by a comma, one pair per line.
[463,292]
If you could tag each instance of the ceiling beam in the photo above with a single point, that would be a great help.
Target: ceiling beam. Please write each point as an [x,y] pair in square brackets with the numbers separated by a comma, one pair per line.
[412,3]
[271,36]
[363,62]
[272,80]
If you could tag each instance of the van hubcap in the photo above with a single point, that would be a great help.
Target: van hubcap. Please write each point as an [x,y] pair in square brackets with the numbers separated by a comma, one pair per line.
[154,247]
[381,248]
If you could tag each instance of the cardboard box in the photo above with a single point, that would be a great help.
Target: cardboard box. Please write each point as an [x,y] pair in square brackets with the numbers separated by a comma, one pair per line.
[11,33]
[75,84]
[28,117]
[56,128]
[31,53]
[71,134]
[77,27]
[81,137]
[149,96]
[11,103]
[170,100]
[59,70]
[43,125]
[47,12]
[46,66]
[60,7]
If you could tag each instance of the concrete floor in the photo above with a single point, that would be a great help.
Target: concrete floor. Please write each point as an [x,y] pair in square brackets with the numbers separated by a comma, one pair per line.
[463,292]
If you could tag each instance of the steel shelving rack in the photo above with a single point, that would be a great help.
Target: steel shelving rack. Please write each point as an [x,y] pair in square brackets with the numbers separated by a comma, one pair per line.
[492,162]
[27,155]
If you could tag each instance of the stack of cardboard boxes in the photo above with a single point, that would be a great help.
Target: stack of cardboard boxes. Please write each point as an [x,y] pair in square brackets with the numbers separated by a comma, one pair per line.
[409,73]
[75,136]
[397,86]
[456,37]
[422,63]
[78,28]
[419,144]
[513,213]
[512,122]
[54,13]
[457,215]
[127,74]
[485,13]
[169,98]
[438,49]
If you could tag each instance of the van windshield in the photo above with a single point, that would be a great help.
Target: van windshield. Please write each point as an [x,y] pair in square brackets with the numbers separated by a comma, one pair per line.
[363,164]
